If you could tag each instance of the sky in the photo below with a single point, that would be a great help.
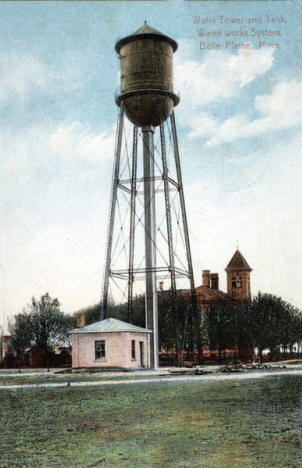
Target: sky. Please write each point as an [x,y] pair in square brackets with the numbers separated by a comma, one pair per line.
[239,127]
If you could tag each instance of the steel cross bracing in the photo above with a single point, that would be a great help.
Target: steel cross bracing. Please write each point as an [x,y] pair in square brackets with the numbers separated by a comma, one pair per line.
[164,273]
[137,182]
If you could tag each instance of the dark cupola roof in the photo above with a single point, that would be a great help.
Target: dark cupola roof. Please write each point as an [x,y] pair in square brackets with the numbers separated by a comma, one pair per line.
[145,32]
[238,263]
[146,29]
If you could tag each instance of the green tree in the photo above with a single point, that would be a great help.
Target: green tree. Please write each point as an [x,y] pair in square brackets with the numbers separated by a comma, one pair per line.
[221,323]
[275,323]
[41,325]
[180,328]
[265,322]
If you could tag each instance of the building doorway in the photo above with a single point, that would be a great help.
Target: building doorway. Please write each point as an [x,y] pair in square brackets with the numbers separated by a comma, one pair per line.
[142,354]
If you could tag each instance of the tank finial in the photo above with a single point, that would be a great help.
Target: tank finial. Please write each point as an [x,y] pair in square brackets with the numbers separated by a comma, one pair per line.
[145,22]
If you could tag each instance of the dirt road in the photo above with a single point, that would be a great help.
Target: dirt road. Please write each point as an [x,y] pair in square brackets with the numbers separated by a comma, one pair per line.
[243,375]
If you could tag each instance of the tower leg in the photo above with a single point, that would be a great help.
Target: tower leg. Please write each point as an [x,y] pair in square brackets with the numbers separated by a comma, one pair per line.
[168,212]
[183,212]
[114,186]
[169,228]
[150,241]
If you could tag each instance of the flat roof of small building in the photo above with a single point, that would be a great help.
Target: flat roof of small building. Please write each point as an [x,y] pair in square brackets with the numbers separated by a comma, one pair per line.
[110,325]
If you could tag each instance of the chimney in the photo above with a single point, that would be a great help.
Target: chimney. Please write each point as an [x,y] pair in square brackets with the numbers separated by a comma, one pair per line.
[161,285]
[206,278]
[80,320]
[214,281]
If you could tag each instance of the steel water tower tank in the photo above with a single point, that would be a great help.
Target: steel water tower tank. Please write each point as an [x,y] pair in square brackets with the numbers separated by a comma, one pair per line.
[146,76]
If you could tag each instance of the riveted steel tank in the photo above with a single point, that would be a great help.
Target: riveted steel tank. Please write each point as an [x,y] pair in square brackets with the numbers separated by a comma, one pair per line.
[146,76]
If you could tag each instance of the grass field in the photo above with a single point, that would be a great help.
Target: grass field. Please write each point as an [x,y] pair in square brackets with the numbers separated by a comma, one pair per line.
[206,425]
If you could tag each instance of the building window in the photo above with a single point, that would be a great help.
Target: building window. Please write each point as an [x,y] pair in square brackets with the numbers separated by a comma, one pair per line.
[233,282]
[238,282]
[100,349]
[133,349]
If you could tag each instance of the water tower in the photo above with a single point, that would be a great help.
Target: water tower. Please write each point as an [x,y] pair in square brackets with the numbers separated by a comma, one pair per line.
[148,236]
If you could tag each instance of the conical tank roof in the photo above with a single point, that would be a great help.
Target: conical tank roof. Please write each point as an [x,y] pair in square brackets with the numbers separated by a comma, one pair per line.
[238,263]
[146,29]
[145,32]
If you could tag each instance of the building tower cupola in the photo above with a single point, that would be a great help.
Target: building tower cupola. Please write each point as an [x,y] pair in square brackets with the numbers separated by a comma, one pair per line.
[238,277]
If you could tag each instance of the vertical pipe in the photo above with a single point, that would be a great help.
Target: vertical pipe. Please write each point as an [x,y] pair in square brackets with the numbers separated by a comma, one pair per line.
[154,275]
[150,241]
[148,351]
[132,223]
[147,149]
[115,177]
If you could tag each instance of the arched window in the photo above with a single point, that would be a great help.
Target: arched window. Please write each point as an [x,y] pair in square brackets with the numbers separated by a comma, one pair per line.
[233,282]
[238,282]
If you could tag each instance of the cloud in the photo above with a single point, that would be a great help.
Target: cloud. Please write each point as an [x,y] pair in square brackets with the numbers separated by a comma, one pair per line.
[23,76]
[78,141]
[41,164]
[22,148]
[261,216]
[219,75]
[202,125]
[280,110]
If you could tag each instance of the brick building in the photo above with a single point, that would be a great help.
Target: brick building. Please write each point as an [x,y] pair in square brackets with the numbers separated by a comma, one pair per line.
[238,284]
[110,343]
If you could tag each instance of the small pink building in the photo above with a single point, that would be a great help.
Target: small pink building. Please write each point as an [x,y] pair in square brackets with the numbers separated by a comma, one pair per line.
[110,343]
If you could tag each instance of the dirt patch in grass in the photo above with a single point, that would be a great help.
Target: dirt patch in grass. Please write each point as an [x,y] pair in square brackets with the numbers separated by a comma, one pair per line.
[63,378]
[293,439]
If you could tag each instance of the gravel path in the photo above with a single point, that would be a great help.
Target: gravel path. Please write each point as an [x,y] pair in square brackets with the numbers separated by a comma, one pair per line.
[180,378]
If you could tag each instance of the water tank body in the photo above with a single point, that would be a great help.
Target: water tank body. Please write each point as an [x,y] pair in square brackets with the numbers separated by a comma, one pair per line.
[146,76]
